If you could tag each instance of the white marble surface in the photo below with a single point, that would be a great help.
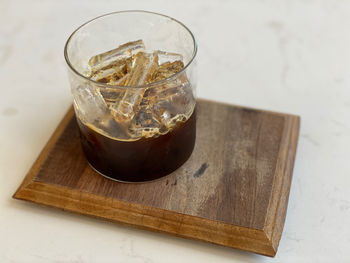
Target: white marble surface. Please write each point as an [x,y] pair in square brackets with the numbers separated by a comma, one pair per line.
[289,56]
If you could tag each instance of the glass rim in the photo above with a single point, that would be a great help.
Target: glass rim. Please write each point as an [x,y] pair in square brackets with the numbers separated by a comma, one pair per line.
[159,82]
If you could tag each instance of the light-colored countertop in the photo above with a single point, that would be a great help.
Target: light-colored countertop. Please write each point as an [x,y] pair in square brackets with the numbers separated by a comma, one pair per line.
[288,56]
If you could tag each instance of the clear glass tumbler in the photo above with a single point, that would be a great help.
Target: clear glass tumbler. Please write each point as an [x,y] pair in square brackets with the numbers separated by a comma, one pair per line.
[134,133]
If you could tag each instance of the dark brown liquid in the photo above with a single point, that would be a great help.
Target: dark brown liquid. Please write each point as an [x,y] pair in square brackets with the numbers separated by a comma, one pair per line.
[141,160]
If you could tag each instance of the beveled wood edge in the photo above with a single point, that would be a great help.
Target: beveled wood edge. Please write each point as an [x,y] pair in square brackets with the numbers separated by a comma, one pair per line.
[144,217]
[282,114]
[33,171]
[277,208]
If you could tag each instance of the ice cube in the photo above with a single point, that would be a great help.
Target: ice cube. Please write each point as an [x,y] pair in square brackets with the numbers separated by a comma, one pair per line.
[113,56]
[103,76]
[142,69]
[110,74]
[112,95]
[89,103]
[124,110]
[168,57]
[119,82]
[144,124]
[169,64]
[167,69]
[174,104]
[163,111]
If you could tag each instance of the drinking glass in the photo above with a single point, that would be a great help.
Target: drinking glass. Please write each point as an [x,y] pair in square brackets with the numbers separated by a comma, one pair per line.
[157,135]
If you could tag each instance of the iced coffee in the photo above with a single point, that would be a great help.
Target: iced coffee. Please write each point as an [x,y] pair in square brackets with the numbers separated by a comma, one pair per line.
[137,117]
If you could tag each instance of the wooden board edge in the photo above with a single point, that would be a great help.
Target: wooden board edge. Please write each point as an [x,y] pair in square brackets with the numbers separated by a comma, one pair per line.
[249,108]
[33,171]
[149,218]
[278,204]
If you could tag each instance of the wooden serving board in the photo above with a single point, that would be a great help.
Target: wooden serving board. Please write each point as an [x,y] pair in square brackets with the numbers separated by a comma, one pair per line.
[233,190]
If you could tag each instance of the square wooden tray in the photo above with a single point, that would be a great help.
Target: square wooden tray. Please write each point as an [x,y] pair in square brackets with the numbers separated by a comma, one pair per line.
[233,190]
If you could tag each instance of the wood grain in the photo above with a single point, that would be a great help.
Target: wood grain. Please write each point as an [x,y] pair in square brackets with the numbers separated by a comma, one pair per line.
[233,190]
